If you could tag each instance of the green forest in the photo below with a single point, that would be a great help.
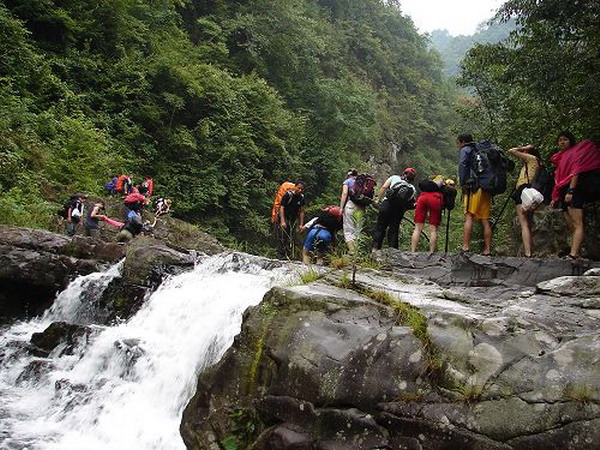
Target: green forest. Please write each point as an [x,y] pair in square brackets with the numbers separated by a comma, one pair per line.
[220,101]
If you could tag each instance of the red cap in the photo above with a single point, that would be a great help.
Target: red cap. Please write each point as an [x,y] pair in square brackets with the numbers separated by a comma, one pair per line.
[410,170]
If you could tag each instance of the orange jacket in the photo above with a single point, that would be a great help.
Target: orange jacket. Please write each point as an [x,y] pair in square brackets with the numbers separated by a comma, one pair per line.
[285,187]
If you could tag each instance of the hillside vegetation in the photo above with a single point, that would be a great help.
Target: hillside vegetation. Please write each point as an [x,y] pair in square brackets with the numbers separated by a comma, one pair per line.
[217,100]
[454,48]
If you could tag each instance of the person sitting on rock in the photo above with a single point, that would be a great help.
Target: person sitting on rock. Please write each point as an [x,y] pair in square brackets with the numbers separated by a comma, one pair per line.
[147,187]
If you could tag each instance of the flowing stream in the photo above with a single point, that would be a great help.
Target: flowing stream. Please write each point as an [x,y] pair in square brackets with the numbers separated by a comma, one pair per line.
[124,386]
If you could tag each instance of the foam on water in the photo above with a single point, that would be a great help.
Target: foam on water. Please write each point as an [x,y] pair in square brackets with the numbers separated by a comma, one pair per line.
[125,387]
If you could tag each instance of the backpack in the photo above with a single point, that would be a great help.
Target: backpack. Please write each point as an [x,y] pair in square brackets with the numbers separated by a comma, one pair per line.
[489,166]
[363,190]
[544,183]
[64,211]
[402,193]
[281,191]
[331,218]
[449,197]
[111,185]
[134,201]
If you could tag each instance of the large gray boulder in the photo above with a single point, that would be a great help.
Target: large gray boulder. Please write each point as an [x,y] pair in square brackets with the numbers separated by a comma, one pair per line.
[35,264]
[406,363]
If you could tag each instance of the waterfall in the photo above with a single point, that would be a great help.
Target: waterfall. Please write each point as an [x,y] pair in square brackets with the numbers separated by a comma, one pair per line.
[125,386]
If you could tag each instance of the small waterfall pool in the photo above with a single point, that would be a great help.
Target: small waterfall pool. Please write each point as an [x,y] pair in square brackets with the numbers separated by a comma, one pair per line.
[124,386]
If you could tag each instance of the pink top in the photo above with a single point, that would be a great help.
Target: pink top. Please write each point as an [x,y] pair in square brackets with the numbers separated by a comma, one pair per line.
[580,158]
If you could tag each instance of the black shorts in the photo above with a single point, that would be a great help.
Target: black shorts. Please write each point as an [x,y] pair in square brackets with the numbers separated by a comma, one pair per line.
[586,191]
[516,196]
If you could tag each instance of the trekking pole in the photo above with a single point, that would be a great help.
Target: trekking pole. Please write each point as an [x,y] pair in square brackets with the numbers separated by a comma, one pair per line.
[413,224]
[497,219]
[447,230]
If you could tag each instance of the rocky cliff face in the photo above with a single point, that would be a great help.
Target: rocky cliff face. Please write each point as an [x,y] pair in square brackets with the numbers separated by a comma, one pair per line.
[496,353]
[36,264]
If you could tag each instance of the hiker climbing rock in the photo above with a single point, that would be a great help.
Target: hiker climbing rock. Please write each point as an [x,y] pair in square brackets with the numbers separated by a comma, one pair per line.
[287,216]
[133,226]
[357,194]
[124,184]
[92,220]
[162,206]
[147,187]
[73,212]
[321,234]
[577,182]
[398,196]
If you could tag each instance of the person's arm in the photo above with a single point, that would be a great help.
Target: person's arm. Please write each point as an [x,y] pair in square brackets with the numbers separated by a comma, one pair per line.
[301,217]
[282,216]
[521,152]
[311,223]
[381,192]
[572,186]
[344,196]
[69,212]
[95,213]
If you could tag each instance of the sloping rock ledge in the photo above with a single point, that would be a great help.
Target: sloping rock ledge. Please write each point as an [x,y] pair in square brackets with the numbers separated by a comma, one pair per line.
[407,363]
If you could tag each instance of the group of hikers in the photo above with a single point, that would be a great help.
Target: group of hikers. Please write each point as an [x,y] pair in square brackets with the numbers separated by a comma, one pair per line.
[135,198]
[396,196]
[482,174]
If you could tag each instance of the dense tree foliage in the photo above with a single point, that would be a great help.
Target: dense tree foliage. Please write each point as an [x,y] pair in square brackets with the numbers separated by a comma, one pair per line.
[217,100]
[545,78]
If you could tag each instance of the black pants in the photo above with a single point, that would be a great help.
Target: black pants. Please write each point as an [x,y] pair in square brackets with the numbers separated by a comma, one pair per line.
[389,217]
[285,239]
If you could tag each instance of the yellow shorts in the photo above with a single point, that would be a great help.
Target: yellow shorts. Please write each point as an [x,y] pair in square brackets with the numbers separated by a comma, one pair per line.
[478,203]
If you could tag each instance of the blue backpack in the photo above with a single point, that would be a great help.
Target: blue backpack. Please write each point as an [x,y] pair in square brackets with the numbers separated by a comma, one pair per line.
[111,185]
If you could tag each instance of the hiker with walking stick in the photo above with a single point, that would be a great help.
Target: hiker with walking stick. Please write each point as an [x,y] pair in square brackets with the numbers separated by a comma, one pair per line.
[482,169]
[397,195]
[287,216]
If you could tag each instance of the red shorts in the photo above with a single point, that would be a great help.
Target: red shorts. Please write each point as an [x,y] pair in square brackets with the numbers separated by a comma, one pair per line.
[432,202]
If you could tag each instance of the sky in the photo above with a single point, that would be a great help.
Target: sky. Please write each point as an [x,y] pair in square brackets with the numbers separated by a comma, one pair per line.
[456,16]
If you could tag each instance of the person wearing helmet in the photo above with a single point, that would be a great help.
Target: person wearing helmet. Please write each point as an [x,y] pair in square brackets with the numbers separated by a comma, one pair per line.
[396,196]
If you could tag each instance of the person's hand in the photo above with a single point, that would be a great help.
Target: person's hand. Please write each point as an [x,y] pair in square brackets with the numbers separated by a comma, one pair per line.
[568,198]
[301,228]
[528,147]
[283,224]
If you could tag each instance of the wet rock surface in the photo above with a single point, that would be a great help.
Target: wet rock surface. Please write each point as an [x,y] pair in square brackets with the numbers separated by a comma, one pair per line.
[58,334]
[35,264]
[507,359]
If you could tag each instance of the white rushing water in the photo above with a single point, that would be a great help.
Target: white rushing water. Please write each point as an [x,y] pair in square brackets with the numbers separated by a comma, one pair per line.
[125,386]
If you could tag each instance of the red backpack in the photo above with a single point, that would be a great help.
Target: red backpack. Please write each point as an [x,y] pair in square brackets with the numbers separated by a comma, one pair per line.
[363,190]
